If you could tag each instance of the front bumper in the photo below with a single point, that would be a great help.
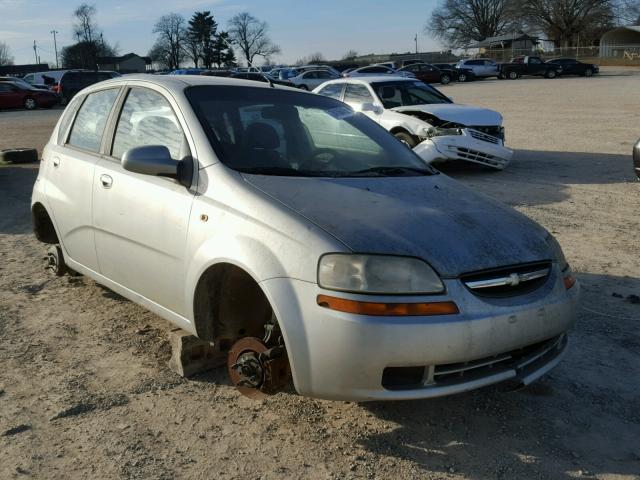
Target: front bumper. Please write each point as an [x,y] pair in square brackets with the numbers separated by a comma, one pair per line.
[472,146]
[343,356]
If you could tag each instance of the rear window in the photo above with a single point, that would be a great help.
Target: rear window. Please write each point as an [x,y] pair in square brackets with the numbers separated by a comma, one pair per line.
[88,127]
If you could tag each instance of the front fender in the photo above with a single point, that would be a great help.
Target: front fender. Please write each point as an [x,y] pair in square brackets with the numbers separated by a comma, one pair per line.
[249,254]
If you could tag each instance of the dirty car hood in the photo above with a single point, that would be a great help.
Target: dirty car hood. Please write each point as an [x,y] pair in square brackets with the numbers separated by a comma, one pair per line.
[434,218]
[452,112]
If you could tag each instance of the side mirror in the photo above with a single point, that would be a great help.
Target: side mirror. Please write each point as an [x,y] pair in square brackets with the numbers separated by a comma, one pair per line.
[370,107]
[156,160]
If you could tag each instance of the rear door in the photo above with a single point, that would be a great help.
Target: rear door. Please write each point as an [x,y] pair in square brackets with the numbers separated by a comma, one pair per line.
[142,221]
[536,66]
[70,170]
[321,77]
[429,74]
[10,96]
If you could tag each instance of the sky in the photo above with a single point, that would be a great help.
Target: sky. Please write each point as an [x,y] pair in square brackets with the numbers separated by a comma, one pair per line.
[300,28]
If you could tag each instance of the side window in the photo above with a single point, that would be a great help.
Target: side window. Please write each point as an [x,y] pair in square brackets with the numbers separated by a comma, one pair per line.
[67,116]
[147,119]
[535,61]
[334,91]
[324,74]
[310,75]
[356,93]
[88,127]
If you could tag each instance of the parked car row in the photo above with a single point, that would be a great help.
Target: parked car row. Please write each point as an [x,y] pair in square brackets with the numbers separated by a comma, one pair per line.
[527,66]
[58,87]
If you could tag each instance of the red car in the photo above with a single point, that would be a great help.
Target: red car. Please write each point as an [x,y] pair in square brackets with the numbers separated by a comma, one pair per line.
[13,95]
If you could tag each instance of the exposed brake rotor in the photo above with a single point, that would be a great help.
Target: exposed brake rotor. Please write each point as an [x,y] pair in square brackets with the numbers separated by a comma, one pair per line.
[257,370]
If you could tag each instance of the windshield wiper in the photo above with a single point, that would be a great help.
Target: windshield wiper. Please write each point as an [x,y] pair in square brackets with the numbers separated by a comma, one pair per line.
[394,171]
[288,172]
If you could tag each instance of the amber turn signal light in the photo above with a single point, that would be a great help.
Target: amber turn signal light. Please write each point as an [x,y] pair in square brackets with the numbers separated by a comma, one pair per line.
[569,281]
[387,309]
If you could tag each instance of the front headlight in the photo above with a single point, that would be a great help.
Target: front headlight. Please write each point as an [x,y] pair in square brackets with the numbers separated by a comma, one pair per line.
[558,254]
[377,274]
[441,132]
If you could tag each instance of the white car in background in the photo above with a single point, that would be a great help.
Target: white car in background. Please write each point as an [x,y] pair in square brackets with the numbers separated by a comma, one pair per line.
[312,78]
[377,70]
[425,119]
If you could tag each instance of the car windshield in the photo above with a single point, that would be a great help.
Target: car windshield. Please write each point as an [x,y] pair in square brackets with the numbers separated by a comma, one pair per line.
[404,94]
[281,132]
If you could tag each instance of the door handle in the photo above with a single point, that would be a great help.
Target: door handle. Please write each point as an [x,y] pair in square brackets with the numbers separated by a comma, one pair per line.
[106,181]
[56,162]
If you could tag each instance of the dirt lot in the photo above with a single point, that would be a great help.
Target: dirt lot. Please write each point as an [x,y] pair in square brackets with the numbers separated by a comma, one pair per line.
[85,391]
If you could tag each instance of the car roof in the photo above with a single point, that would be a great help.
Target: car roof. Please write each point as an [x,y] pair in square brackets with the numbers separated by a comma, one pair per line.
[180,82]
[372,79]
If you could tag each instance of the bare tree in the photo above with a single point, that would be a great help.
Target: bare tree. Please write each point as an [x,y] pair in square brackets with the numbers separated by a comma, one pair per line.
[171,39]
[460,22]
[85,27]
[316,57]
[569,22]
[350,55]
[250,35]
[5,54]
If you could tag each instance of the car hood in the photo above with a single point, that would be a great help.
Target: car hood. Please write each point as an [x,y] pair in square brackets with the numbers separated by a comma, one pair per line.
[453,112]
[434,218]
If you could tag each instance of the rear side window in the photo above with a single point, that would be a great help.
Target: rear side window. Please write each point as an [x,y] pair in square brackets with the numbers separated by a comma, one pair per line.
[88,127]
[356,93]
[67,116]
[147,119]
[334,91]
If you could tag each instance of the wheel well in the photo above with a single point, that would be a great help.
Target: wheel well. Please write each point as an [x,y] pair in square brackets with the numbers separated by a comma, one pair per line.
[229,304]
[395,130]
[42,224]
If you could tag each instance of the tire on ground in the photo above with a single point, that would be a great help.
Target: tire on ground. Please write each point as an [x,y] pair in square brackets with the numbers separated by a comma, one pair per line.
[18,155]
[406,138]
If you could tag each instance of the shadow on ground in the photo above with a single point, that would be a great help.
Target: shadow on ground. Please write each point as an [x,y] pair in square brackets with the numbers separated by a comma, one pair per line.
[544,176]
[16,183]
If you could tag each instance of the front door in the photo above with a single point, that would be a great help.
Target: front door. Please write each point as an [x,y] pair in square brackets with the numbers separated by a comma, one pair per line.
[142,221]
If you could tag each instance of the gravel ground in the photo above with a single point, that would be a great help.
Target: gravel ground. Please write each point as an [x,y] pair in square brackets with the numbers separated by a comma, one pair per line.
[85,391]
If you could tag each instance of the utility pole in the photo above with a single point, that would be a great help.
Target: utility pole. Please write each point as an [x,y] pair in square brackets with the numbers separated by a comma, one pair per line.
[35,51]
[55,46]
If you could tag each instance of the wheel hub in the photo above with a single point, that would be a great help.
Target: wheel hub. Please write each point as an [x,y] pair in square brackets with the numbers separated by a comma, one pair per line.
[257,370]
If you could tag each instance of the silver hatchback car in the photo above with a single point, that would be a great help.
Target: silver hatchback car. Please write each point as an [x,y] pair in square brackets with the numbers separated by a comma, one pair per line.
[301,238]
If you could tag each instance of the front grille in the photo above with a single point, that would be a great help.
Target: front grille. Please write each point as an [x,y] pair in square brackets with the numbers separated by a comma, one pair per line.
[508,281]
[460,372]
[477,156]
[450,374]
[478,135]
[493,130]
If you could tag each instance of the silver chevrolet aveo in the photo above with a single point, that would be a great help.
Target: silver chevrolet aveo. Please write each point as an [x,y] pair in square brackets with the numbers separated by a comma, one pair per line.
[299,238]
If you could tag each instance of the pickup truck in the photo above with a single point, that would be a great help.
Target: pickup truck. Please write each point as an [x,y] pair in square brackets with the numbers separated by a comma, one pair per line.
[520,66]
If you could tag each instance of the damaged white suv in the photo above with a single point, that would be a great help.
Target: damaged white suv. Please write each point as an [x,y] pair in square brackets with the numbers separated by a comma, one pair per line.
[426,120]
